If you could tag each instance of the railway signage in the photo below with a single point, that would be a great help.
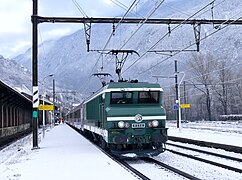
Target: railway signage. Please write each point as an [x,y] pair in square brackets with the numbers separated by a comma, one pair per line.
[175,107]
[46,107]
[35,114]
[138,125]
[185,106]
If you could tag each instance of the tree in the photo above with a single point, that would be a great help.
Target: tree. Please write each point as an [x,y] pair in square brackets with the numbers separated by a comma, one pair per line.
[223,83]
[238,93]
[202,66]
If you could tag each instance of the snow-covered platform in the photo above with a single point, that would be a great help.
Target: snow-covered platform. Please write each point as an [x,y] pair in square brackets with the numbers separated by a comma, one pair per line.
[63,154]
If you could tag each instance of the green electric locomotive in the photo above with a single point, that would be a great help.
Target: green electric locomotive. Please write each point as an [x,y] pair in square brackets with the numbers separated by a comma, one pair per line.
[126,117]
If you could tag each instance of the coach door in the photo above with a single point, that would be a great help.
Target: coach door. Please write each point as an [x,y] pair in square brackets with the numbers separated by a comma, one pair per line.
[101,112]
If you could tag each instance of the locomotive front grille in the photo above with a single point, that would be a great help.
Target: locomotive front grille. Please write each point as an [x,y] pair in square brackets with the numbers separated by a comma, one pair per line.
[138,125]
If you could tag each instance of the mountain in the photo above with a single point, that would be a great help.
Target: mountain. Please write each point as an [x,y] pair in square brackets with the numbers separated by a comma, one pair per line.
[73,66]
[14,75]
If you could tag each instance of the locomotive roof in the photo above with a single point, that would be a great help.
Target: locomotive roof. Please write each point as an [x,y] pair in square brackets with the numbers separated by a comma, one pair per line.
[117,86]
[132,85]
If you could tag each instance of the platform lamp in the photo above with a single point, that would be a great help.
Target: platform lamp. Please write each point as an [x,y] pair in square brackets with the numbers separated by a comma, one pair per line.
[50,75]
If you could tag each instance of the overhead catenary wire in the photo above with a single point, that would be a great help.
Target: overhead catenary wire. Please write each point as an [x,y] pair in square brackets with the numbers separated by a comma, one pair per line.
[43,46]
[217,86]
[176,9]
[129,9]
[111,35]
[106,44]
[217,83]
[212,89]
[187,70]
[231,81]
[142,23]
[166,36]
[213,1]
[191,45]
[170,57]
[79,8]
[216,70]
[123,6]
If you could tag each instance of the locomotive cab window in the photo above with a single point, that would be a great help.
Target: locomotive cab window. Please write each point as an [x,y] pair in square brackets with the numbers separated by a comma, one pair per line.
[148,97]
[121,97]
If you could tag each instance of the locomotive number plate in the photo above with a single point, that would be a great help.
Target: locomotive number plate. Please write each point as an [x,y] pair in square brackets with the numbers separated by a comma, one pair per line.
[138,125]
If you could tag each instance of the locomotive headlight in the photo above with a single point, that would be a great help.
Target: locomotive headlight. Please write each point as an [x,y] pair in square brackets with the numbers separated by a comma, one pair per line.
[155,123]
[121,124]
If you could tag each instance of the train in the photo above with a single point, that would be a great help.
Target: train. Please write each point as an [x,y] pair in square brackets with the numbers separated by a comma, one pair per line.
[124,118]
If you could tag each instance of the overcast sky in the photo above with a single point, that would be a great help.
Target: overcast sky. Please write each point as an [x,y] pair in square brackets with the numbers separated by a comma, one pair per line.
[16,26]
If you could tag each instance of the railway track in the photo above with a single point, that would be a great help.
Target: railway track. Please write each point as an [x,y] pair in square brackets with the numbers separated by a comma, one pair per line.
[129,167]
[149,160]
[116,159]
[153,161]
[175,170]
[6,141]
[226,147]
[206,160]
[136,172]
[206,152]
[160,164]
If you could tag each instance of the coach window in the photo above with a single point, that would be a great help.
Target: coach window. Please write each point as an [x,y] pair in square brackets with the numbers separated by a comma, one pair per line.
[121,98]
[148,97]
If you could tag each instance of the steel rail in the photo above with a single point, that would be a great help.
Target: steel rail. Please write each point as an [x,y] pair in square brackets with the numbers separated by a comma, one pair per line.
[207,152]
[207,161]
[135,171]
[226,147]
[8,140]
[184,174]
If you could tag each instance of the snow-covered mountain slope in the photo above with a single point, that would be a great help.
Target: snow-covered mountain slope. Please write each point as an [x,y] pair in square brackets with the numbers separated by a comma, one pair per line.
[73,66]
[14,75]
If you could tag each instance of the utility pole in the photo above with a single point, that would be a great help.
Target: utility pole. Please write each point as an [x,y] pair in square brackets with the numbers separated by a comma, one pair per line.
[177,104]
[39,19]
[177,101]
[35,74]
[54,101]
[185,100]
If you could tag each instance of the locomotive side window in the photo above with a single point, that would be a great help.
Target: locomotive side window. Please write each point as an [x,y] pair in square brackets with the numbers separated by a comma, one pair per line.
[121,97]
[148,97]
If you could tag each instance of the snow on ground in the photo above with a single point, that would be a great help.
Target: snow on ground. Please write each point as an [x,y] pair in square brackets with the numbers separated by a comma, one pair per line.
[212,131]
[220,132]
[64,154]
[197,168]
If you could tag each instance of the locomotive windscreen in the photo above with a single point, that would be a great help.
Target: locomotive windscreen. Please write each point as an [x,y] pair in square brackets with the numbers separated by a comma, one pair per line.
[148,97]
[121,97]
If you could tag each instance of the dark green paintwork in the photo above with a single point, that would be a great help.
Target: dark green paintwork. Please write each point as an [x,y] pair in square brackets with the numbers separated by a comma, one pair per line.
[94,114]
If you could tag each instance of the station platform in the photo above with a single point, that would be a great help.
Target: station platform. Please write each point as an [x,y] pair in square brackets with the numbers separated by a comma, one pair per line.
[63,154]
